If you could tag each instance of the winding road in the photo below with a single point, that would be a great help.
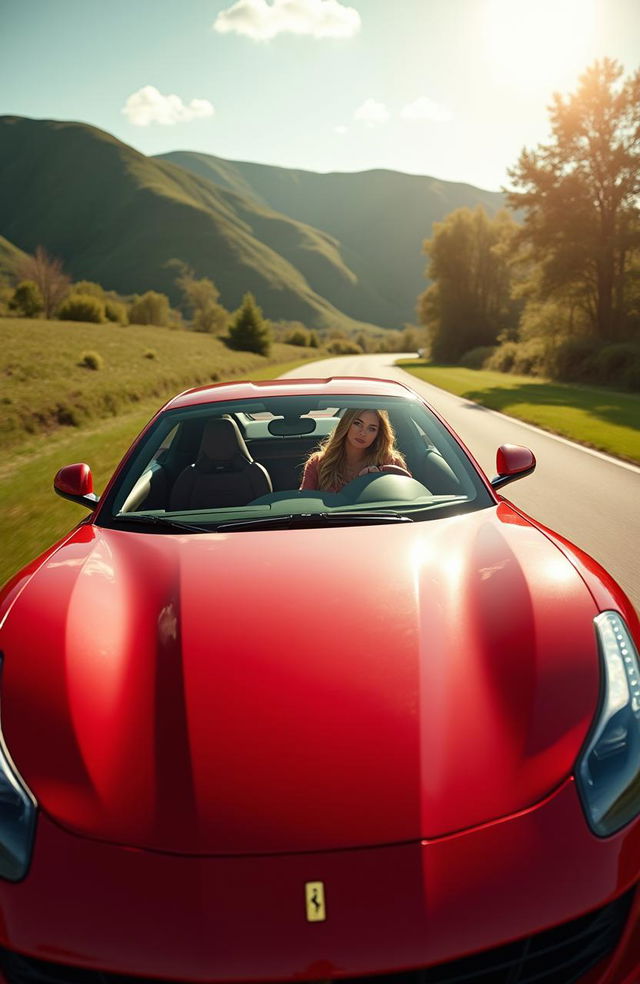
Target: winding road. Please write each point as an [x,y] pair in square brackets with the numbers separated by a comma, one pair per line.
[591,498]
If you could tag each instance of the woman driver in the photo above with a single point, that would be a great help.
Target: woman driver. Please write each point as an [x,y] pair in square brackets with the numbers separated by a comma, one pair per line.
[362,442]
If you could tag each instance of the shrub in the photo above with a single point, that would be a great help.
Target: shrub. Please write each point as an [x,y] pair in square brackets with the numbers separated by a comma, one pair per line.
[299,336]
[631,376]
[150,354]
[343,346]
[313,340]
[116,312]
[476,357]
[88,287]
[503,358]
[150,309]
[212,319]
[92,360]
[572,358]
[27,299]
[615,362]
[82,307]
[248,330]
[531,357]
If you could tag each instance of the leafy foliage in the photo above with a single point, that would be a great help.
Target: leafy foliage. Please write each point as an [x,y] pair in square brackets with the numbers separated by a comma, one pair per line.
[45,271]
[469,303]
[580,195]
[248,330]
[92,360]
[27,299]
[200,297]
[150,309]
[82,307]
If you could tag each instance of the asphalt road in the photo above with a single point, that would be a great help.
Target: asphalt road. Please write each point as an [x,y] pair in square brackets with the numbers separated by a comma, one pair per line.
[590,498]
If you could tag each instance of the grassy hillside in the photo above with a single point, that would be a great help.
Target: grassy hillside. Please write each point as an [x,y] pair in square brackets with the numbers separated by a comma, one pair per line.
[9,256]
[380,218]
[46,387]
[117,217]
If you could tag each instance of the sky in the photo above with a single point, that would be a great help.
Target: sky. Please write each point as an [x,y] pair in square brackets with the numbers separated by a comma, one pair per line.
[454,89]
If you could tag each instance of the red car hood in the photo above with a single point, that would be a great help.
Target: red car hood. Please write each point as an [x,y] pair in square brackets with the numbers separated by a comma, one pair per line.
[300,690]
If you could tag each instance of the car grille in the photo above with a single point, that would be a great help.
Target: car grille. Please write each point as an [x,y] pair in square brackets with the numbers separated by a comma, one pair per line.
[561,955]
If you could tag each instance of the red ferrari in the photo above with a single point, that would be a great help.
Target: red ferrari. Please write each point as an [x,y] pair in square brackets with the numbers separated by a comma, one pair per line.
[262,722]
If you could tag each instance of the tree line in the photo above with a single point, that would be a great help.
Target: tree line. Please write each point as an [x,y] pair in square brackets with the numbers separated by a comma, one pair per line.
[551,287]
[43,289]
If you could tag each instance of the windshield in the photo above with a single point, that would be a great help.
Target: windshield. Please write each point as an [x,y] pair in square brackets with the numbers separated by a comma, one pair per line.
[293,461]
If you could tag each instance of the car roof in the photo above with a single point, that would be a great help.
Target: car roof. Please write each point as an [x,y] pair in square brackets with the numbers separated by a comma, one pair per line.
[335,385]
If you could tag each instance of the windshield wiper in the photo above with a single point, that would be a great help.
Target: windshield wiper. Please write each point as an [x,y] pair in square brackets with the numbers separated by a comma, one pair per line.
[170,525]
[313,521]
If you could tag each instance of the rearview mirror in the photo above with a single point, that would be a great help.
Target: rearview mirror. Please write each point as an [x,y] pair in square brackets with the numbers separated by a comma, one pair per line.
[512,461]
[75,482]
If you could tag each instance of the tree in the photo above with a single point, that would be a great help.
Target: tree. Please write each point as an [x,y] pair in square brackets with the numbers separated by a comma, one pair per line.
[45,271]
[201,301]
[248,330]
[469,302]
[27,299]
[580,195]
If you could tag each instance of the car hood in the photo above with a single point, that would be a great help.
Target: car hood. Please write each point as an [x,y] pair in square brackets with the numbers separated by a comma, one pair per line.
[300,690]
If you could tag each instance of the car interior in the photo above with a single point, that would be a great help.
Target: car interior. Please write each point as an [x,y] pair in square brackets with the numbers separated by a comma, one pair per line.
[215,457]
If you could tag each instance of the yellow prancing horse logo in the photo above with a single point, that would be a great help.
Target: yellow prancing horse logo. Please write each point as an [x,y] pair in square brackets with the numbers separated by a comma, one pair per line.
[316,908]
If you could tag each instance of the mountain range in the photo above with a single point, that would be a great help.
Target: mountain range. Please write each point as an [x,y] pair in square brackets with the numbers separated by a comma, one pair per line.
[333,250]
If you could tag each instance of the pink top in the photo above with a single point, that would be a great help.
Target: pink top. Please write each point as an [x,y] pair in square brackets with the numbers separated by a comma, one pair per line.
[310,478]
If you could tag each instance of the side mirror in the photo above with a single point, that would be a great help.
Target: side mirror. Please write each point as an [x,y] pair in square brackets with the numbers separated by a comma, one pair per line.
[512,462]
[75,482]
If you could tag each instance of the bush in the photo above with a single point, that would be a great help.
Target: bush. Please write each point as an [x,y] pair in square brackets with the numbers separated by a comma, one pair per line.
[343,346]
[631,377]
[27,299]
[116,312]
[150,309]
[92,360]
[212,319]
[88,287]
[248,330]
[503,357]
[531,357]
[614,363]
[299,336]
[82,307]
[150,354]
[313,340]
[571,359]
[476,357]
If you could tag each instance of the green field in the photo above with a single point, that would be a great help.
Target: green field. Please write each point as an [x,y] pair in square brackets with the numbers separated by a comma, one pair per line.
[599,418]
[45,385]
[39,370]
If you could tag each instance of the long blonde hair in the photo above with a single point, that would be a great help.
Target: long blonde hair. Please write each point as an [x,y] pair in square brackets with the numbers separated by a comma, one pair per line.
[332,457]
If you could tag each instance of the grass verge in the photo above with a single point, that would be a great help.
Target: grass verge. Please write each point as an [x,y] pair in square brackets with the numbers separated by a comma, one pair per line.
[65,374]
[597,417]
[32,516]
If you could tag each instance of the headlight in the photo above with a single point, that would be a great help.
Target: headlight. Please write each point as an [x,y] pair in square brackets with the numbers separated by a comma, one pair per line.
[17,820]
[609,768]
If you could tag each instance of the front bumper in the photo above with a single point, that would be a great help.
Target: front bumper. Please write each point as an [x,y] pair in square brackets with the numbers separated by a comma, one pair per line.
[99,906]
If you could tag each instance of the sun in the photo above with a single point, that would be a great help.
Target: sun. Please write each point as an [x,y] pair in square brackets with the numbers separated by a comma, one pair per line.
[539,46]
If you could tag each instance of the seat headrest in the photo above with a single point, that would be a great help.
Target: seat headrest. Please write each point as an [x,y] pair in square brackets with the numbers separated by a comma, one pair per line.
[222,440]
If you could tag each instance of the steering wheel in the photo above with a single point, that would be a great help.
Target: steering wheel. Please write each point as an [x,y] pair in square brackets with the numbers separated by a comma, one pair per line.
[385,470]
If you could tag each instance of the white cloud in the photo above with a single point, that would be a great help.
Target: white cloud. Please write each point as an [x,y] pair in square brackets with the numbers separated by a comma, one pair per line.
[372,113]
[261,20]
[147,105]
[425,109]
[341,130]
